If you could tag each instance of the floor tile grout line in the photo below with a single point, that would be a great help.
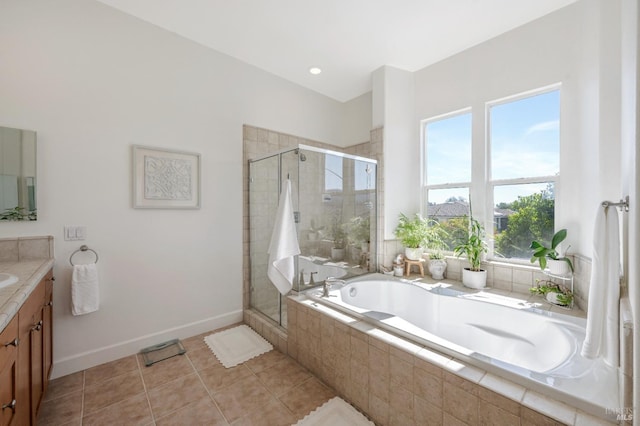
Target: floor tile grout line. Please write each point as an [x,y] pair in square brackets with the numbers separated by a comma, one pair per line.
[84,379]
[276,397]
[106,380]
[146,393]
[215,403]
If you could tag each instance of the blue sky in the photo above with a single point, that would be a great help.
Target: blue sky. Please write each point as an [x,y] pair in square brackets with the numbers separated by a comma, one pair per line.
[524,135]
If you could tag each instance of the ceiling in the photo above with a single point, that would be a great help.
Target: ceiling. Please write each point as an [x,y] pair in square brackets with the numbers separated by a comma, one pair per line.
[347,39]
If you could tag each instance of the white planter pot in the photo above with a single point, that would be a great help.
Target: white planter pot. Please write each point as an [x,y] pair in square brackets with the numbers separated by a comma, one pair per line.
[474,279]
[356,253]
[413,253]
[337,254]
[437,268]
[552,297]
[558,267]
[398,271]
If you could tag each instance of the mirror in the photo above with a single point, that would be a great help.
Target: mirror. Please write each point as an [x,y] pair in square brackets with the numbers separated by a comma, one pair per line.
[17,174]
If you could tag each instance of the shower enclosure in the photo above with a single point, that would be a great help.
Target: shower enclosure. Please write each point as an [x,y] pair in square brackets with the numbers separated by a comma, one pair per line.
[334,202]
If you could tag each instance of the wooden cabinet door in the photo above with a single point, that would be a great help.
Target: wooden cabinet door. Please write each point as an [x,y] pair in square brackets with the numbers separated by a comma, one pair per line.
[47,330]
[29,328]
[37,373]
[8,372]
[8,402]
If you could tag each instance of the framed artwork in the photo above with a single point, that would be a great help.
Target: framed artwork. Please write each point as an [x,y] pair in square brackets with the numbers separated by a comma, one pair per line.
[165,179]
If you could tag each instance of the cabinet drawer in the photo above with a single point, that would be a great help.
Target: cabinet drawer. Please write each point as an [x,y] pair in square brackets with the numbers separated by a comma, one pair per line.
[7,341]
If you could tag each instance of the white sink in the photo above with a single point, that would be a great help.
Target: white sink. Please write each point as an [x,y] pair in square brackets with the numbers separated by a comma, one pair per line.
[7,279]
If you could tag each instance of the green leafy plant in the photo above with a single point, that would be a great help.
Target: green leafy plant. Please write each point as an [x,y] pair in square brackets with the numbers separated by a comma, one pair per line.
[338,232]
[359,229]
[420,232]
[474,247]
[543,287]
[436,241]
[16,213]
[541,253]
[436,255]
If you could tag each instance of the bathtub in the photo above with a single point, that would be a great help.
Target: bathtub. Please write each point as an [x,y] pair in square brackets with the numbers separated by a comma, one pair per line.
[504,335]
[321,270]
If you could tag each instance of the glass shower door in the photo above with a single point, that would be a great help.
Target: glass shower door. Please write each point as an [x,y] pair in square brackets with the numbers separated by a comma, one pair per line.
[267,177]
[264,186]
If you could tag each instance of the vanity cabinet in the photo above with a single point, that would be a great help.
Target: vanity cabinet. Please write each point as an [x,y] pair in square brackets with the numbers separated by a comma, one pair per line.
[25,357]
[47,330]
[8,371]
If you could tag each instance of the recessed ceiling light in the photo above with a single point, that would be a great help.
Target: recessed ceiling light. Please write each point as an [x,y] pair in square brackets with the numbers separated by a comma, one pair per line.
[315,70]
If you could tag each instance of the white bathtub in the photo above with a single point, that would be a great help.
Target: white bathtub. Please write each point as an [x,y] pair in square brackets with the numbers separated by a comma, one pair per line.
[504,335]
[320,271]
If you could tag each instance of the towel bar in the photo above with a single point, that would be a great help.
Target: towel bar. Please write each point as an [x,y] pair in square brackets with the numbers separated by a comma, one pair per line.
[82,248]
[622,204]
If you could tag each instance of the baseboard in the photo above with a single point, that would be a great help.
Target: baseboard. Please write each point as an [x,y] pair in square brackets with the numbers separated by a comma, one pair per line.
[82,361]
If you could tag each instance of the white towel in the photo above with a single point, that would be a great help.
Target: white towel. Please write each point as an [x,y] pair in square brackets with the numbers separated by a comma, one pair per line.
[85,294]
[284,244]
[601,338]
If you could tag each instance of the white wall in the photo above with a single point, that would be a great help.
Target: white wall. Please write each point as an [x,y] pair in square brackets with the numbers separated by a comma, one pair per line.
[92,81]
[630,116]
[549,50]
[394,109]
[356,121]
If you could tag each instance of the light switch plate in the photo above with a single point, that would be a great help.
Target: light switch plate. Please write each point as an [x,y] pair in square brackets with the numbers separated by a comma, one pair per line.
[75,233]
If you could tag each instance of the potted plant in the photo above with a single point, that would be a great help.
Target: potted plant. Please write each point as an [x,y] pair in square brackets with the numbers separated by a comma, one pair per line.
[413,234]
[437,264]
[339,237]
[473,248]
[552,256]
[312,235]
[553,292]
[360,232]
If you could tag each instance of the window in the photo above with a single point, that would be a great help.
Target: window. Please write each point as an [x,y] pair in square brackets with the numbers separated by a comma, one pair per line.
[524,136]
[448,173]
[333,179]
[515,171]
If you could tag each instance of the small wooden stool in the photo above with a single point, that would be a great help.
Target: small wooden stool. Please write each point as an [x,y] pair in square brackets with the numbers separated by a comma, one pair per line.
[409,263]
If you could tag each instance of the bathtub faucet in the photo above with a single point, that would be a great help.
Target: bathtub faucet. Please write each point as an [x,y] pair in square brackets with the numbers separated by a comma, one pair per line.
[311,282]
[328,283]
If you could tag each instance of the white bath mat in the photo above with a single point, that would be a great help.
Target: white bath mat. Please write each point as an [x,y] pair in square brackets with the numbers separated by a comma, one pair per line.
[237,345]
[335,412]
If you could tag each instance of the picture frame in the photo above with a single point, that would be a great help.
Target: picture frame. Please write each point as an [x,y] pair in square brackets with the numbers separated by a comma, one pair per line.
[165,179]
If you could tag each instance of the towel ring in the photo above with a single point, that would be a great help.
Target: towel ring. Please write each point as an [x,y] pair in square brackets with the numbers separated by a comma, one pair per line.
[82,248]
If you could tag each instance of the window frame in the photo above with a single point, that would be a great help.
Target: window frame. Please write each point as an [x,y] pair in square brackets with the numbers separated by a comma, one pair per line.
[423,170]
[491,183]
[482,192]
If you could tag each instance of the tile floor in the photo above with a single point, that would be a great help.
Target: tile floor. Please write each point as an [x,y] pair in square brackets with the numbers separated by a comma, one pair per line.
[192,389]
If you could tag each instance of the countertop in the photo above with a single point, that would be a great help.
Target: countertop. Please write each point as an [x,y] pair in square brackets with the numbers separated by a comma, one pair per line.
[12,297]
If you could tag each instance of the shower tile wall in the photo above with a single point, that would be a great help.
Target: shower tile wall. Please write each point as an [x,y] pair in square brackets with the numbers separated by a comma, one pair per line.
[374,150]
[258,142]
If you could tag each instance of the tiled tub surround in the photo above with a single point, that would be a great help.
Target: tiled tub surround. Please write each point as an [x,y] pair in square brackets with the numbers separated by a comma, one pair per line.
[29,259]
[398,382]
[505,335]
[509,277]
